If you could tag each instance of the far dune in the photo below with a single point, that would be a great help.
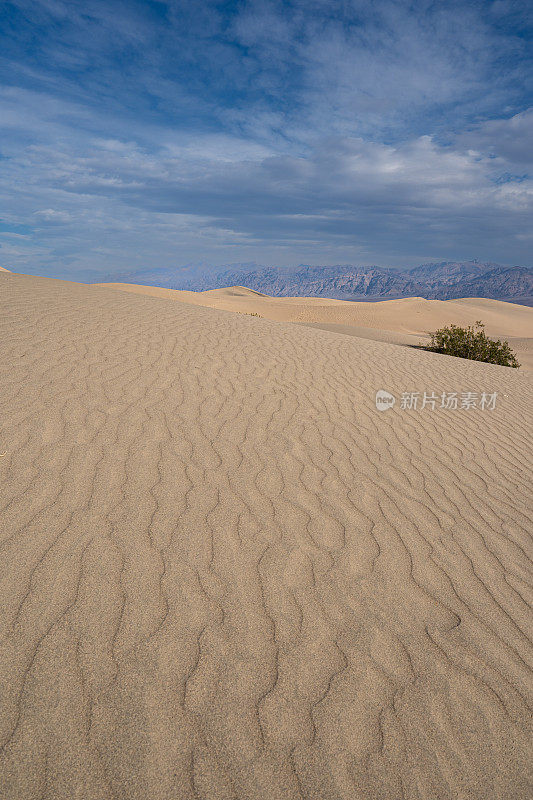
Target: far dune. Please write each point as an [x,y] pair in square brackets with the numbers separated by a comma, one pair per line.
[407,321]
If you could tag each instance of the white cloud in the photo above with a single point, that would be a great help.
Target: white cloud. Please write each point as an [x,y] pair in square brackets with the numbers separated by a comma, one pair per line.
[51,215]
[302,131]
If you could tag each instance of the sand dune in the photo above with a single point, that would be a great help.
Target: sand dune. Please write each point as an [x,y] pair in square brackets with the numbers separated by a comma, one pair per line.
[224,574]
[405,322]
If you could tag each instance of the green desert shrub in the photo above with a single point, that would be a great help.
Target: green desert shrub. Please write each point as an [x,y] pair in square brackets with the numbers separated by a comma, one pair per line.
[472,342]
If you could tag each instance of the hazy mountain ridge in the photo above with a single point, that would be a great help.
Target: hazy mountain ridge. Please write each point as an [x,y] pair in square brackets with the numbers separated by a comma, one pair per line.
[449,272]
[434,281]
[514,282]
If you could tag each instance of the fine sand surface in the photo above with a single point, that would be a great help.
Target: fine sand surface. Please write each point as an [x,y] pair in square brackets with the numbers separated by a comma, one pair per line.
[406,322]
[224,574]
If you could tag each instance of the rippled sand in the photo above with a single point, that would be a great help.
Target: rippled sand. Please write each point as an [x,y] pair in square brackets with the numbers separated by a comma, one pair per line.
[225,574]
[407,321]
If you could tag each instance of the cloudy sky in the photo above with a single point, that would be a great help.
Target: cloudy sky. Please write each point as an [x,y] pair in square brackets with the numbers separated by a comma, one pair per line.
[136,133]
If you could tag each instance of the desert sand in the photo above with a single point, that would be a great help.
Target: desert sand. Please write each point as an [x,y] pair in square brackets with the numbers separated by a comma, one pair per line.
[225,574]
[406,322]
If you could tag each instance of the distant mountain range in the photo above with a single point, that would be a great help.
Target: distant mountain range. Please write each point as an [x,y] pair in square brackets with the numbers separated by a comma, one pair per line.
[437,281]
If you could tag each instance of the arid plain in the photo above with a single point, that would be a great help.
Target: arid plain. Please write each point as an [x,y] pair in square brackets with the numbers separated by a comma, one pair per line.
[225,574]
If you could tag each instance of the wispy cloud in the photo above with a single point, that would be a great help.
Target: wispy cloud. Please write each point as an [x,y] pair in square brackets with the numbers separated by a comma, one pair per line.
[137,134]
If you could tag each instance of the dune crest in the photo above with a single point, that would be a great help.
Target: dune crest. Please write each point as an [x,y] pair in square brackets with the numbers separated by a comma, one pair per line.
[406,321]
[225,574]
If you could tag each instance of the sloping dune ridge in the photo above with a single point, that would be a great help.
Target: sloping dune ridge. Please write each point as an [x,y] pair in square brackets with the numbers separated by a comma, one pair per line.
[407,321]
[225,574]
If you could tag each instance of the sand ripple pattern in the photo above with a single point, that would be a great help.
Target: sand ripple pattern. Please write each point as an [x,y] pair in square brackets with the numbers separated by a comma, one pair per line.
[224,575]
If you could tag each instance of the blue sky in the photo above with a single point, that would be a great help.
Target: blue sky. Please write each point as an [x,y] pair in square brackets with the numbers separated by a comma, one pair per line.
[152,134]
